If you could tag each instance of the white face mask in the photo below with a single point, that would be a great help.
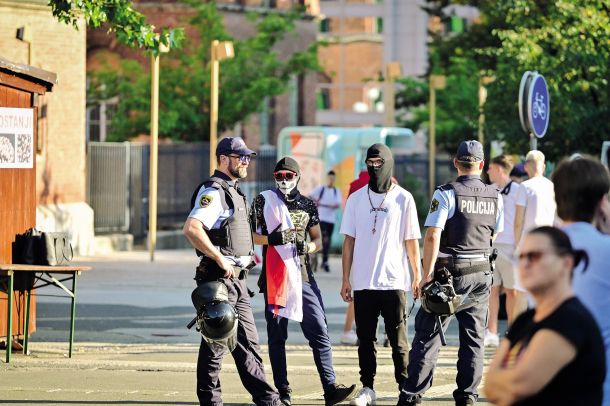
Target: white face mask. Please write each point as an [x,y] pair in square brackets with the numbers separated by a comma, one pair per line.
[287,186]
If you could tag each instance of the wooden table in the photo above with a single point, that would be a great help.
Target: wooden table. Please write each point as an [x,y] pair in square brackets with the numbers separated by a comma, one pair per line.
[44,277]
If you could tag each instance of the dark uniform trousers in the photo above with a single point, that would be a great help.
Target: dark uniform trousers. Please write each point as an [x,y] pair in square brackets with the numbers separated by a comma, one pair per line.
[472,322]
[368,306]
[314,329]
[246,355]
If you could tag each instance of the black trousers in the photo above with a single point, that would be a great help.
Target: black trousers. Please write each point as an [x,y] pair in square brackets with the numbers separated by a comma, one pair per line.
[391,305]
[246,355]
[327,233]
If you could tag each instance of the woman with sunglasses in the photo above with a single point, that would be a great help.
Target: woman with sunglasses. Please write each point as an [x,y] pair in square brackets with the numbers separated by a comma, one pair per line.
[553,354]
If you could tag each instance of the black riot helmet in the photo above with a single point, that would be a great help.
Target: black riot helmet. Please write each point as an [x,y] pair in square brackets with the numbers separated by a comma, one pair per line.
[217,321]
[216,318]
[438,296]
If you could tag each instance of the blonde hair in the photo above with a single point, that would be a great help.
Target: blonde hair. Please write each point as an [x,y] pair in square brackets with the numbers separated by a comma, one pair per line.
[535,156]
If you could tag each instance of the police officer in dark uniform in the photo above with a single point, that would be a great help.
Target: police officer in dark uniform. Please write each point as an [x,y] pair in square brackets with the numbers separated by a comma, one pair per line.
[219,229]
[464,218]
[303,214]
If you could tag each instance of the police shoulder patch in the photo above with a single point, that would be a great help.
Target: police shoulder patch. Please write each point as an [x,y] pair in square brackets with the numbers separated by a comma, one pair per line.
[205,201]
[433,206]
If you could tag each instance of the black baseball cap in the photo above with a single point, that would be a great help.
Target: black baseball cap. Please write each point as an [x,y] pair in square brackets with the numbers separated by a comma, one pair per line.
[470,151]
[233,145]
[287,164]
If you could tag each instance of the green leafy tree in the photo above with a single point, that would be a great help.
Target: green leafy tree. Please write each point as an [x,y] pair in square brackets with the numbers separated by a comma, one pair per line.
[257,71]
[456,107]
[128,24]
[566,41]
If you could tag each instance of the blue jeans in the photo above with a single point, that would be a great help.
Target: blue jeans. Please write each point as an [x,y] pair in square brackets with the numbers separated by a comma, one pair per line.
[315,331]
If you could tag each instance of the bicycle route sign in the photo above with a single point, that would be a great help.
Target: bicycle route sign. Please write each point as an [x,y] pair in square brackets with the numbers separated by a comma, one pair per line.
[534,104]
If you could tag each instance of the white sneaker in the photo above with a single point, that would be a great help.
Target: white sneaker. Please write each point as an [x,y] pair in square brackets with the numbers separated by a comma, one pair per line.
[491,339]
[365,397]
[349,338]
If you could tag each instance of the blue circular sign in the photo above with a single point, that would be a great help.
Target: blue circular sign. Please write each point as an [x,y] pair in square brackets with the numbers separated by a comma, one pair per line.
[538,106]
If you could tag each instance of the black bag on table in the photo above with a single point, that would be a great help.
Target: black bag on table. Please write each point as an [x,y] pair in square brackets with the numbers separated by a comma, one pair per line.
[35,247]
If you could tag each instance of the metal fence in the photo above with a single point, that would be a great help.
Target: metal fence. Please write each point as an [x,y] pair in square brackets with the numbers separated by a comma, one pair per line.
[118,183]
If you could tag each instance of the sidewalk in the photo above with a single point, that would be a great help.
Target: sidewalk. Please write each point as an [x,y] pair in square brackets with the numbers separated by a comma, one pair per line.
[164,374]
[132,346]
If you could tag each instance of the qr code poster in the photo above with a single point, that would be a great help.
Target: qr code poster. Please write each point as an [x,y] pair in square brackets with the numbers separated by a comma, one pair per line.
[16,138]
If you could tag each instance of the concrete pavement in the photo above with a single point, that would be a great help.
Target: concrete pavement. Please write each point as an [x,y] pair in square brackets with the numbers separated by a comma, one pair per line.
[132,347]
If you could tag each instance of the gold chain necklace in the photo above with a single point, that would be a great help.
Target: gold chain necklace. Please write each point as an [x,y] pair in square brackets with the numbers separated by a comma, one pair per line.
[376,209]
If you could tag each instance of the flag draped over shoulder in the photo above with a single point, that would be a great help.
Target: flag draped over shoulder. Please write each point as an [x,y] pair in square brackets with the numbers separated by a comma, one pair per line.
[283,269]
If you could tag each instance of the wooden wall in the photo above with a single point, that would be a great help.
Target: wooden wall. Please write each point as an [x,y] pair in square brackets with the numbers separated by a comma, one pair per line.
[17,207]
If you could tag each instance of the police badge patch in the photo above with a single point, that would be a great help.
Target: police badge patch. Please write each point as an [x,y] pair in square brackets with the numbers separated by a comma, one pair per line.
[205,201]
[433,206]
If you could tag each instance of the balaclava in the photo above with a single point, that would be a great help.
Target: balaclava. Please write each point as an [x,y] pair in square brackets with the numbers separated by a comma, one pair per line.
[380,178]
[288,188]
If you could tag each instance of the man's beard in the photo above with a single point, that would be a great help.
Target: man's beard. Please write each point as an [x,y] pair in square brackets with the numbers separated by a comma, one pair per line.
[239,172]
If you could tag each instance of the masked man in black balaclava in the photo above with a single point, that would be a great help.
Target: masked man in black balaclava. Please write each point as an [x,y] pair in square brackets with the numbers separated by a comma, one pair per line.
[303,216]
[381,234]
[380,173]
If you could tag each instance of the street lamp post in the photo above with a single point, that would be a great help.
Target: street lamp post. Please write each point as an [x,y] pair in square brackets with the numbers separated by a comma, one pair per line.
[218,51]
[437,82]
[483,81]
[393,71]
[154,143]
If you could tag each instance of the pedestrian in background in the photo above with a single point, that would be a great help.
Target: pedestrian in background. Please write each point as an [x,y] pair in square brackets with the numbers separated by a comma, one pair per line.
[464,217]
[218,227]
[553,354]
[381,232]
[536,205]
[505,275]
[581,191]
[328,199]
[286,223]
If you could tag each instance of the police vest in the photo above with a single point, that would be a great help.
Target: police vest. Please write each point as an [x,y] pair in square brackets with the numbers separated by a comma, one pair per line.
[472,226]
[234,237]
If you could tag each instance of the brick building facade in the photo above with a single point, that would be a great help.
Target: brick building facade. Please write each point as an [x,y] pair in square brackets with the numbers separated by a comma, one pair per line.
[61,156]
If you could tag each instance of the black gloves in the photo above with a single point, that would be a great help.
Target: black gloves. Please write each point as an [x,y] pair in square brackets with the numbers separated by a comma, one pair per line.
[277,237]
[302,247]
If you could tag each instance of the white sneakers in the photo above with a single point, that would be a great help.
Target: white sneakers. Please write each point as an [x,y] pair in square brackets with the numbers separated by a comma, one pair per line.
[349,338]
[365,397]
[491,339]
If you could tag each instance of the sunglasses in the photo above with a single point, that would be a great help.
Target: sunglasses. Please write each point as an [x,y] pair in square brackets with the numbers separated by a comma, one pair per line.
[375,164]
[280,176]
[533,256]
[244,159]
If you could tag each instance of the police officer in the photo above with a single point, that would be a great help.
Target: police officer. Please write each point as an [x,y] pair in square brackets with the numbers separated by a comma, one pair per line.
[303,214]
[463,220]
[219,229]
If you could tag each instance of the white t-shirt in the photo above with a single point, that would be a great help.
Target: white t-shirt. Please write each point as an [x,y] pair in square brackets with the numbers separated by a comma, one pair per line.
[511,194]
[539,196]
[330,197]
[380,259]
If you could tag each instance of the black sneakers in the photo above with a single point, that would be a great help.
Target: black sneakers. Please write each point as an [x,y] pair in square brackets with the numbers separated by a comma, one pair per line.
[285,397]
[465,402]
[338,393]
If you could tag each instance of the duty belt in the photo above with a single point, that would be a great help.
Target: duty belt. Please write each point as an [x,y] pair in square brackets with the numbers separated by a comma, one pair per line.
[464,266]
[214,272]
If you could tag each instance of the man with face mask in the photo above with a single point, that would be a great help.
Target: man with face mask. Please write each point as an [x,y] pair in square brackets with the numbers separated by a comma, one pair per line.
[289,238]
[381,235]
[219,229]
